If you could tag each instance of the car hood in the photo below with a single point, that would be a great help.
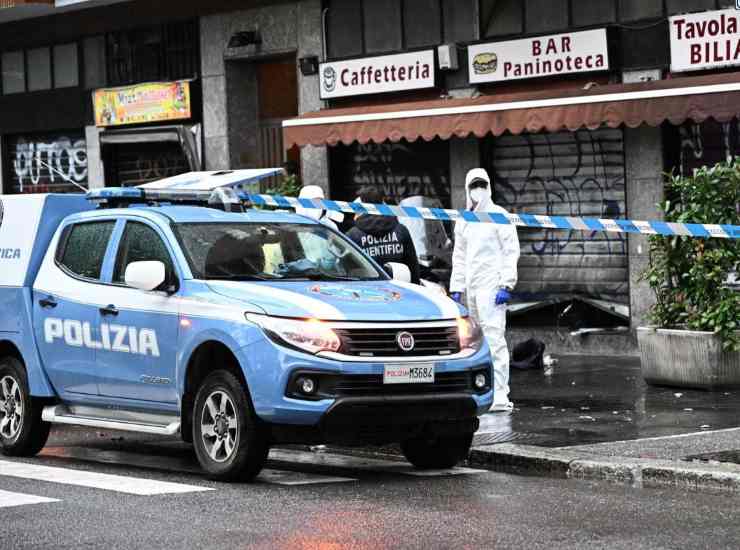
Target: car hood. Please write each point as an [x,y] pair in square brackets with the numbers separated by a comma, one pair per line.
[341,301]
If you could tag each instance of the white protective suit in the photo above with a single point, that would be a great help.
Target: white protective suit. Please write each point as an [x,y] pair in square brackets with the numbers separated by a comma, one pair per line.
[483,262]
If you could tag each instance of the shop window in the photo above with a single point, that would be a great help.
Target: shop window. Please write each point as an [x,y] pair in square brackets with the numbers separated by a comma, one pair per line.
[501,17]
[66,68]
[344,22]
[382,25]
[422,23]
[94,55]
[14,72]
[38,62]
[632,10]
[683,6]
[546,15]
[168,52]
[459,20]
[84,248]
[594,12]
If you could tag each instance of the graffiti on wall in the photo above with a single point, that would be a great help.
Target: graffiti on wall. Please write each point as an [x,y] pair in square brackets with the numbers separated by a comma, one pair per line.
[708,143]
[399,170]
[566,174]
[49,163]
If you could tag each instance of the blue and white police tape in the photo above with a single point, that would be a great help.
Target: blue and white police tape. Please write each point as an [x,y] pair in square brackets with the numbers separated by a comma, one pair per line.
[721,231]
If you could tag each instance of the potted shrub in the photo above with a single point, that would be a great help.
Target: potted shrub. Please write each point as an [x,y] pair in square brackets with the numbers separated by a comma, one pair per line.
[695,340]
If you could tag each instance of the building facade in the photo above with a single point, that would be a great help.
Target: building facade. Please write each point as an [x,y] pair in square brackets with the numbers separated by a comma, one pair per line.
[570,282]
[123,93]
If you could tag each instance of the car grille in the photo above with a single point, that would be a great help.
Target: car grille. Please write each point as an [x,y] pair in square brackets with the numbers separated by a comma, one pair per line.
[372,385]
[382,342]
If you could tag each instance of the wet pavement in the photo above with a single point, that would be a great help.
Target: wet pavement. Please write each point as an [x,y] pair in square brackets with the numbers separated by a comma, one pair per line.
[603,399]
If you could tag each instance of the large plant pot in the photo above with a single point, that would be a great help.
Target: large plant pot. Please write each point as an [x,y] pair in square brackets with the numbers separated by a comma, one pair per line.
[686,358]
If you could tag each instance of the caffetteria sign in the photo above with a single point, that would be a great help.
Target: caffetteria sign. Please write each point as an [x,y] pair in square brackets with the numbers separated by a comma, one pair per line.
[538,57]
[705,40]
[377,75]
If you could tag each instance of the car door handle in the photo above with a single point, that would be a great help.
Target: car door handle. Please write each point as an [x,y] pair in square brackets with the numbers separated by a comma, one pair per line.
[48,303]
[109,310]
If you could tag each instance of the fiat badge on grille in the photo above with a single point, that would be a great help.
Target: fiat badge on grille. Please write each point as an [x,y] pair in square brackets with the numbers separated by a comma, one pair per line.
[405,341]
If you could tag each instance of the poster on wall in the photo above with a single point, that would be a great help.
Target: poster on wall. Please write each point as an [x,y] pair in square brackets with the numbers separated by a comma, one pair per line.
[538,57]
[705,40]
[46,163]
[142,103]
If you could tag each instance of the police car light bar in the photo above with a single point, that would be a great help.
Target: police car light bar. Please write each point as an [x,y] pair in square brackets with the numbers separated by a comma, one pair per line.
[192,187]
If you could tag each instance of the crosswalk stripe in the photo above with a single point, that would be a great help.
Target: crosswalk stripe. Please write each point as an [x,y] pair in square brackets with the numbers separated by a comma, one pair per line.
[8,499]
[108,482]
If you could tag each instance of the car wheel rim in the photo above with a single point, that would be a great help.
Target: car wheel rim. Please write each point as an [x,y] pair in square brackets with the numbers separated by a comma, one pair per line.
[219,427]
[11,407]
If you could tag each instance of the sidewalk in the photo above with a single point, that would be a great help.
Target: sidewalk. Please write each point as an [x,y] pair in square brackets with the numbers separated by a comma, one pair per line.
[595,418]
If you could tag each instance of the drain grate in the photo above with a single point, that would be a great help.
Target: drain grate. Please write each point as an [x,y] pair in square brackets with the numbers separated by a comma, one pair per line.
[495,438]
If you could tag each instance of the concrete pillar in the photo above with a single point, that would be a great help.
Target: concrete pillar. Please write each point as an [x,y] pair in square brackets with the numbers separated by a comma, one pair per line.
[314,160]
[464,155]
[95,169]
[215,122]
[644,189]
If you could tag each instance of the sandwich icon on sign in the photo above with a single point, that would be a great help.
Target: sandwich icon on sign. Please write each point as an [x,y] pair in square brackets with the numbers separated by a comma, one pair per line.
[486,63]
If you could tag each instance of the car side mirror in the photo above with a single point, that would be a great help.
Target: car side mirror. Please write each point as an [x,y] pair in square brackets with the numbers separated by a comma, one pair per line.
[398,272]
[145,276]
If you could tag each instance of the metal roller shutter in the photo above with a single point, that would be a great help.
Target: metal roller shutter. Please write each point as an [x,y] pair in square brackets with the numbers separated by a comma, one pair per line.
[568,174]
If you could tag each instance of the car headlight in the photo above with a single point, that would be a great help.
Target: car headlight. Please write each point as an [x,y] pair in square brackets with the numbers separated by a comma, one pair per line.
[470,334]
[309,335]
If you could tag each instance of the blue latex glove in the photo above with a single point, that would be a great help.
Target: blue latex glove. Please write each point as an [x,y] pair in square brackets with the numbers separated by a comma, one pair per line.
[457,296]
[502,297]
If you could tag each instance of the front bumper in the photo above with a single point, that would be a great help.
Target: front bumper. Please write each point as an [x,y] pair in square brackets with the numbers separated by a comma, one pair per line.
[389,419]
[378,415]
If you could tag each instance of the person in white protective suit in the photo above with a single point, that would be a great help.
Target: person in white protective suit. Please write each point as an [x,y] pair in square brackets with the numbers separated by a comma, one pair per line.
[328,218]
[484,268]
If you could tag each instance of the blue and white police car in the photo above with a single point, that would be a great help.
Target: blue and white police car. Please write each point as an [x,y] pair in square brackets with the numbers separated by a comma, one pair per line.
[145,310]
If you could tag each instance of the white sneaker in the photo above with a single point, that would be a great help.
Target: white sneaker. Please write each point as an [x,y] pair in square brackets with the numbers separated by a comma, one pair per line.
[502,407]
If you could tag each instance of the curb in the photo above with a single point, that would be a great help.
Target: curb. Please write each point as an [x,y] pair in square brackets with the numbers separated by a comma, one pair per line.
[633,472]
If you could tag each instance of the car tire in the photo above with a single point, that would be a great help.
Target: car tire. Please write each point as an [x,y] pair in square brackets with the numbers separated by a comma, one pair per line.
[438,452]
[22,431]
[229,441]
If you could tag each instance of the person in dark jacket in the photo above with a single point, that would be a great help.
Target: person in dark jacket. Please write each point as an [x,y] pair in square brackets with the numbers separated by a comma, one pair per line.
[383,238]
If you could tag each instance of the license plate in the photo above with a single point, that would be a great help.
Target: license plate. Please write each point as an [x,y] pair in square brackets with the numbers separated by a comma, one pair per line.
[416,373]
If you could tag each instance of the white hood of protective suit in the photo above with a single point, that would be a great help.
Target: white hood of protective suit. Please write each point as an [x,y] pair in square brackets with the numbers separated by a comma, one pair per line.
[478,174]
[327,217]
[486,254]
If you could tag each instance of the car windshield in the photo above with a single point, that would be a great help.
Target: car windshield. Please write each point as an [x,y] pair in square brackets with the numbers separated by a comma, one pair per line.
[268,251]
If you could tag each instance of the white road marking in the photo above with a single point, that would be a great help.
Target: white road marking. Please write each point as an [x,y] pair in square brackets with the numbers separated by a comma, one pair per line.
[282,477]
[108,482]
[8,499]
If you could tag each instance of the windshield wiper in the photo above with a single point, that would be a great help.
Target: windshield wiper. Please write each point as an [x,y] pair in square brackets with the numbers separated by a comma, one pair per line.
[319,276]
[240,278]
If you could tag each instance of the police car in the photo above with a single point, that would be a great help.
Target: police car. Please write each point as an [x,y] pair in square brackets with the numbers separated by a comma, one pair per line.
[153,310]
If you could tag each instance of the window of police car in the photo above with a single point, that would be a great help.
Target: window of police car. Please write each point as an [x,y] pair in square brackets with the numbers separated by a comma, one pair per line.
[141,243]
[83,248]
[250,251]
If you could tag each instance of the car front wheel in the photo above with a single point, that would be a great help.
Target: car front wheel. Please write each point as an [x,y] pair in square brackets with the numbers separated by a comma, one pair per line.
[229,442]
[437,452]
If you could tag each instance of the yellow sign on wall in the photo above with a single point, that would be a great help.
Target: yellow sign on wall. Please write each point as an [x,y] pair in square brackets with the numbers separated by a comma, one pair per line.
[142,103]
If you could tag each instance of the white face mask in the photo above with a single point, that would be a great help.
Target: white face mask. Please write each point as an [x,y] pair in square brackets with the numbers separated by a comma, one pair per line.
[479,194]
